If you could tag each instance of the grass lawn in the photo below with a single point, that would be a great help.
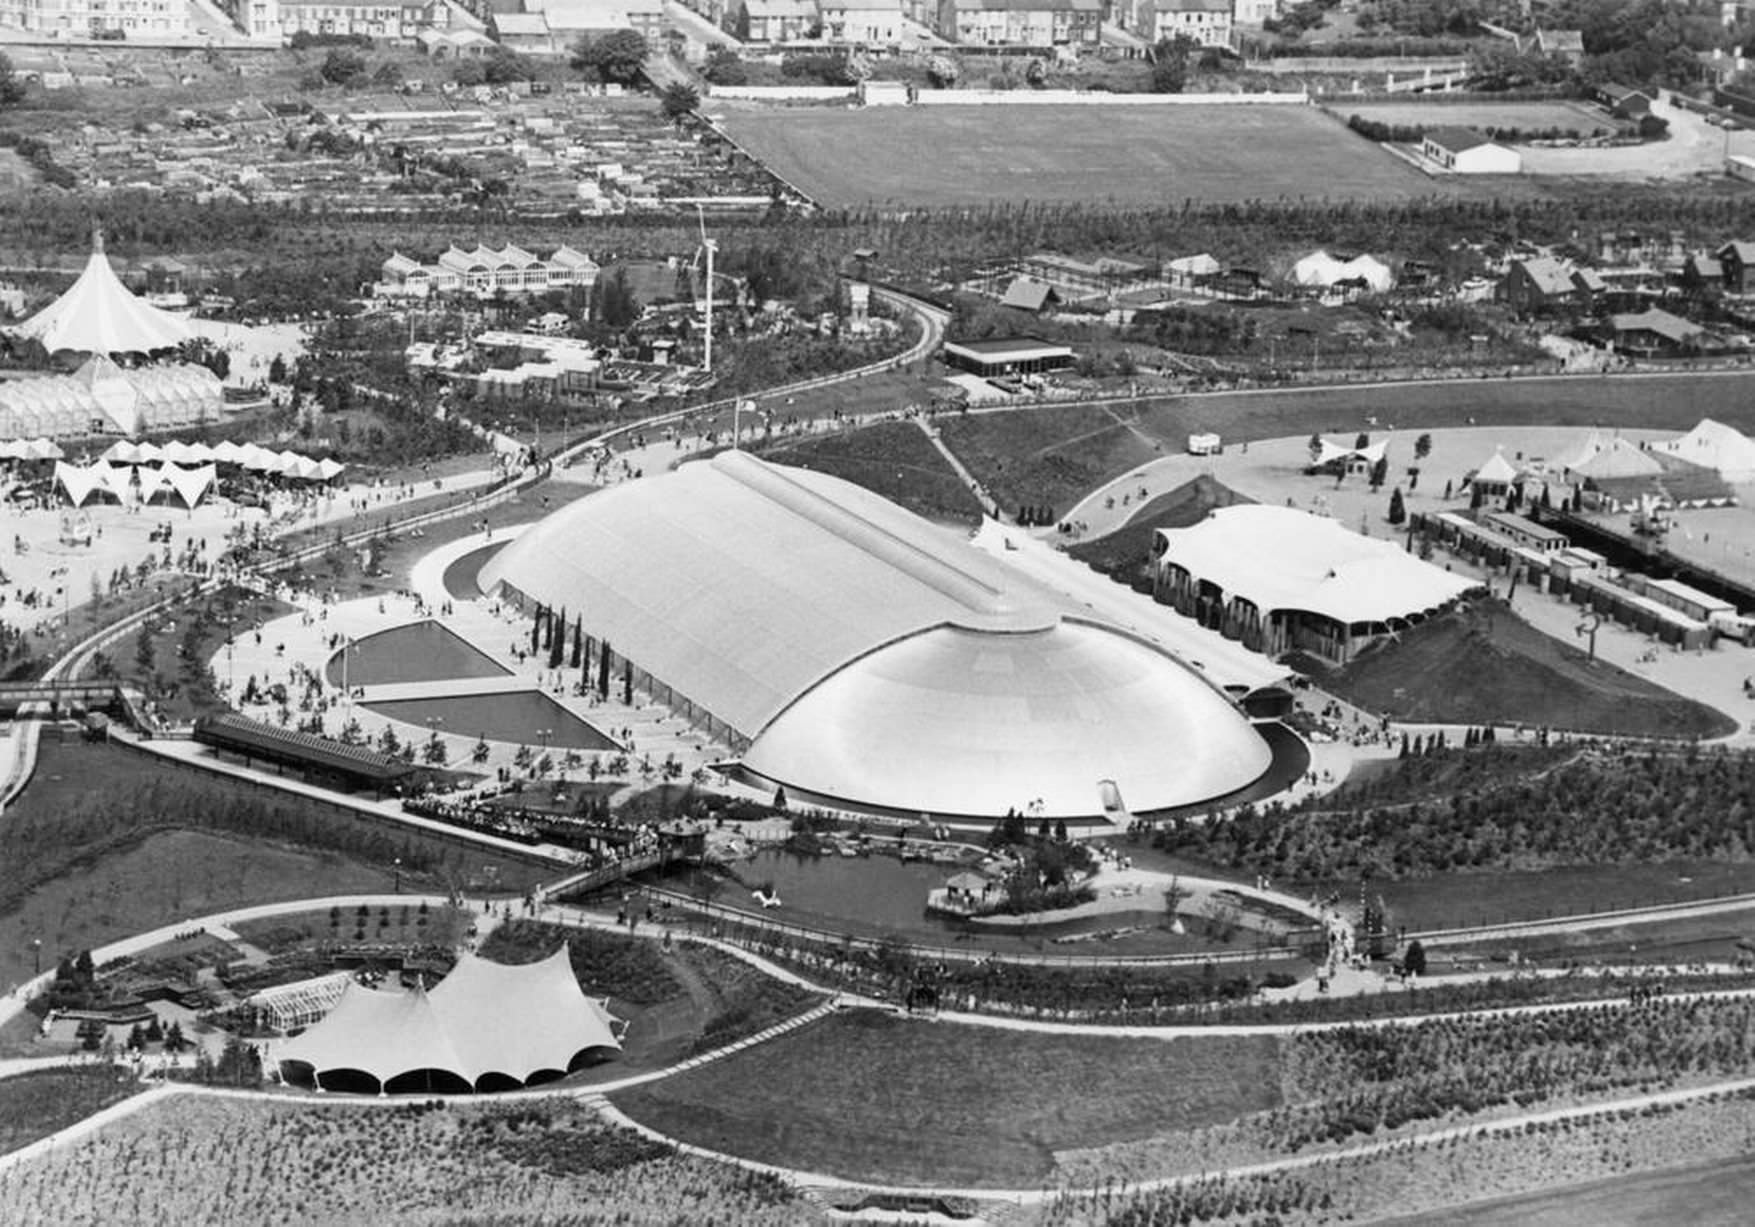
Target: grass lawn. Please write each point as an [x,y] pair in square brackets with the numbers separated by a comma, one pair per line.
[106,842]
[894,459]
[1702,1195]
[870,1096]
[1083,154]
[1465,900]
[1182,507]
[35,1105]
[1052,456]
[1527,116]
[677,1002]
[1490,666]
[1059,454]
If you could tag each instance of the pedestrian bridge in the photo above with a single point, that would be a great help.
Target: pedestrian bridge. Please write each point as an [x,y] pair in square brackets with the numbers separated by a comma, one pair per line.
[51,699]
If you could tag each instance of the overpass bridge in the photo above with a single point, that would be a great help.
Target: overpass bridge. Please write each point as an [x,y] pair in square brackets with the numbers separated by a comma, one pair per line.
[51,699]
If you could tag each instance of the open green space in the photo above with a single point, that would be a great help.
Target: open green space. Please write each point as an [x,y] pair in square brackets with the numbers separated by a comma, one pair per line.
[205,1159]
[35,1105]
[894,459]
[1716,1194]
[873,1096]
[677,1002]
[1488,666]
[1057,455]
[1131,544]
[1085,154]
[106,842]
[1532,116]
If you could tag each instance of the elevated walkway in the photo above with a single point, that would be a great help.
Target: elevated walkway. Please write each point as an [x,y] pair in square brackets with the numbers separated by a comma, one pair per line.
[50,699]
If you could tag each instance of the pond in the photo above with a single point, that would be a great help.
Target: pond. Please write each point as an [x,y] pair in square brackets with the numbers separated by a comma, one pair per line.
[463,577]
[880,895]
[518,716]
[418,652]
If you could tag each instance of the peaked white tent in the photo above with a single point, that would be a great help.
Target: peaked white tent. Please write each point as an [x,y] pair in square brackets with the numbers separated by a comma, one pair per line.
[227,452]
[1617,458]
[329,470]
[79,483]
[98,315]
[124,452]
[1322,270]
[486,1025]
[1713,445]
[189,484]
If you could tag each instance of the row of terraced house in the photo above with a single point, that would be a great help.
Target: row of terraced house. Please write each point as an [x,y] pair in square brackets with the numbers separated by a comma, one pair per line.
[486,271]
[1078,24]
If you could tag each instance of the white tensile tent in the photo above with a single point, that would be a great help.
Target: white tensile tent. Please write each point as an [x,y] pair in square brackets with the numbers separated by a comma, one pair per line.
[80,482]
[190,485]
[98,315]
[1321,270]
[486,1025]
[1713,445]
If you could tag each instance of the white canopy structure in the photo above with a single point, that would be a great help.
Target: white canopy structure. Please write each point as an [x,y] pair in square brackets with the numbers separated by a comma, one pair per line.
[1497,472]
[1336,453]
[190,485]
[867,657]
[1322,270]
[486,1026]
[125,451]
[329,470]
[1616,457]
[98,315]
[227,452]
[1282,579]
[1713,445]
[80,483]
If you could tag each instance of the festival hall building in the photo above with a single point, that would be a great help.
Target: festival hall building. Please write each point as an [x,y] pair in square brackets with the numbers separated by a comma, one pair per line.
[857,654]
[486,271]
[1278,579]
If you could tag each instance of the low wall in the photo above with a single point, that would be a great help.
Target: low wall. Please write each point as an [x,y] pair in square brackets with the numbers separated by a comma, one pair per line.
[783,93]
[1076,97]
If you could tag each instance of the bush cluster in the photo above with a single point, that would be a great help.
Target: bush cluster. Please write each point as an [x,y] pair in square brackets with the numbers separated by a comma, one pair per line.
[1496,807]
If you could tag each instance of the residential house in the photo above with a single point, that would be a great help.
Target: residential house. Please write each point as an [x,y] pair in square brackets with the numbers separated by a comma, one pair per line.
[1207,22]
[1464,151]
[1623,101]
[568,19]
[1540,283]
[1021,23]
[1565,45]
[775,21]
[1655,334]
[1028,294]
[82,18]
[1737,259]
[396,20]
[1701,273]
[862,23]
[527,33]
[1254,12]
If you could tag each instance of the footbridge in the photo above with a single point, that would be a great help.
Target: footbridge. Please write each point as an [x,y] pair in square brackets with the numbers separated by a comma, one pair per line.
[49,700]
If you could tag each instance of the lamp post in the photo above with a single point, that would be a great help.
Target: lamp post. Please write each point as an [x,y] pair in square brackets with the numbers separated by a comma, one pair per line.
[36,950]
[396,865]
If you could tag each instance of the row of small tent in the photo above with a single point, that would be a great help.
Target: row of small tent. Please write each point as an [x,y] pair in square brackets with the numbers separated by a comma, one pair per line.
[131,484]
[29,449]
[247,456]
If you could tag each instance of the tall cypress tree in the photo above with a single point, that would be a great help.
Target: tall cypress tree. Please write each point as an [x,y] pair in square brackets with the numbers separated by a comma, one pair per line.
[603,671]
[558,640]
[536,630]
[578,641]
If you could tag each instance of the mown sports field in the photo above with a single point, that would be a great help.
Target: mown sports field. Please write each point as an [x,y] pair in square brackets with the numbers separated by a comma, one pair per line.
[963,155]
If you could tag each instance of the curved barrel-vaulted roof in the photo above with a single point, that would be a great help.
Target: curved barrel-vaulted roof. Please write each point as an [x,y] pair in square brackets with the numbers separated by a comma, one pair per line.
[742,583]
[1280,558]
[484,1020]
[872,657]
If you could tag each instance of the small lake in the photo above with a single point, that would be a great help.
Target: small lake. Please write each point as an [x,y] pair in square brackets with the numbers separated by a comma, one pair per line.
[880,895]
[418,652]
[518,716]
